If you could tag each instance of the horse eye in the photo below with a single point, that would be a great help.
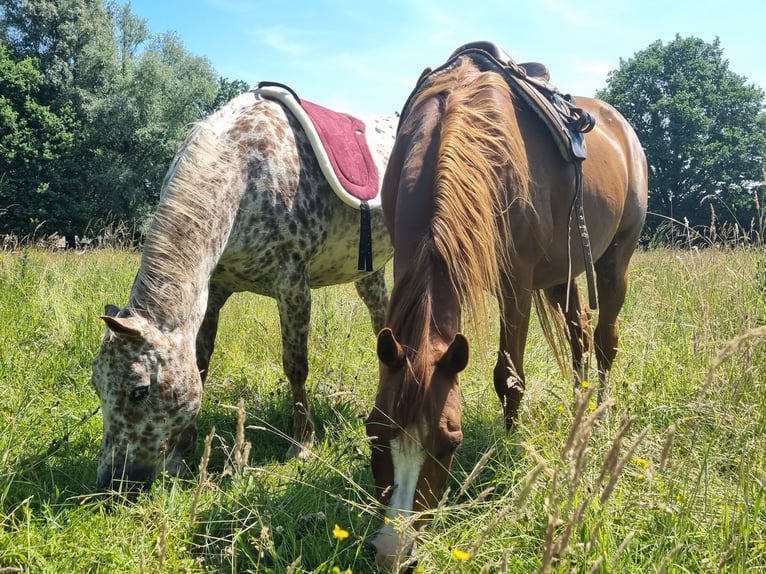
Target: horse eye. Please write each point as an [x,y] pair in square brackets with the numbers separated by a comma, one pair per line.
[139,393]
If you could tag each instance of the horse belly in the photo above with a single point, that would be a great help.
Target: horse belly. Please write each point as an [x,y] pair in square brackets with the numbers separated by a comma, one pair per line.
[337,258]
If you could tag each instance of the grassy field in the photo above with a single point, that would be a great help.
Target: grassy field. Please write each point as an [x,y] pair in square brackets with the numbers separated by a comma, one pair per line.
[672,481]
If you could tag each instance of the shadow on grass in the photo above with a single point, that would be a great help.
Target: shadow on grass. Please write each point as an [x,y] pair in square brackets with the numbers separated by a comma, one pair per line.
[59,476]
[277,511]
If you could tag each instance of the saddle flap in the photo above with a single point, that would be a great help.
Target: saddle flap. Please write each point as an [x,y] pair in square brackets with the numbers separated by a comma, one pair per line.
[339,141]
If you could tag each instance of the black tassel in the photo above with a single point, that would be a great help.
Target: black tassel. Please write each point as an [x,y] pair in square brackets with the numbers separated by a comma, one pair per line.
[365,238]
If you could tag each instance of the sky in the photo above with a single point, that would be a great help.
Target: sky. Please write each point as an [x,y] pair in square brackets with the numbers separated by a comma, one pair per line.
[364,56]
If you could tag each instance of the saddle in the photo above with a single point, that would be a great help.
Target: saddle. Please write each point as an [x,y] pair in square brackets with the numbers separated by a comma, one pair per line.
[531,81]
[340,146]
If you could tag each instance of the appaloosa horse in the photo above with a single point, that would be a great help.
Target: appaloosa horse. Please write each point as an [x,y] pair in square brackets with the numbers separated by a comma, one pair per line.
[244,207]
[477,198]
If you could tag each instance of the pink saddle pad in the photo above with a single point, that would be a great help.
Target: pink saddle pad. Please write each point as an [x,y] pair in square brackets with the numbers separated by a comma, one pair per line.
[343,136]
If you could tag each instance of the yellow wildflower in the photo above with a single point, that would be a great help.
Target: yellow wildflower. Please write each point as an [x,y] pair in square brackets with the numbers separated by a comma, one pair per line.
[339,532]
[461,555]
[592,406]
[642,462]
[585,384]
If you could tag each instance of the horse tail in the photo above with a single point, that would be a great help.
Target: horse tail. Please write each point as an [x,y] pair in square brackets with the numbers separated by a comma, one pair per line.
[481,171]
[552,324]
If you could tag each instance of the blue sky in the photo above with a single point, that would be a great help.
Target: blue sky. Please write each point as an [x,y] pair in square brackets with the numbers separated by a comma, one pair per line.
[362,56]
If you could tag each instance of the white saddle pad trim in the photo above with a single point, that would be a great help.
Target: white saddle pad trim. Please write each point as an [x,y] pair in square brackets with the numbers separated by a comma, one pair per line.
[284,97]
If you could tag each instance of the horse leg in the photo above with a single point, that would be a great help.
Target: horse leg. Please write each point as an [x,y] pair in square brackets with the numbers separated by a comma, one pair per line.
[217,297]
[373,291]
[509,370]
[577,319]
[612,284]
[294,305]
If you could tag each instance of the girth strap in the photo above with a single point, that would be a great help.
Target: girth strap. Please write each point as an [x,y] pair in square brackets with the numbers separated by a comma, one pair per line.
[584,238]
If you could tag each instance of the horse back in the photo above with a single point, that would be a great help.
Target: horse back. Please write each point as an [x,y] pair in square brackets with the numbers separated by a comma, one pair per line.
[615,174]
[615,141]
[615,189]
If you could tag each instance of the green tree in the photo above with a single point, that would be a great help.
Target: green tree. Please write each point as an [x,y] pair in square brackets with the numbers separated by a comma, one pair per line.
[73,41]
[227,90]
[142,121]
[34,143]
[127,98]
[703,128]
[74,45]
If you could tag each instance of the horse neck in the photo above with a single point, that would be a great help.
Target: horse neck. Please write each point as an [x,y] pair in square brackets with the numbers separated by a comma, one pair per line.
[189,232]
[171,286]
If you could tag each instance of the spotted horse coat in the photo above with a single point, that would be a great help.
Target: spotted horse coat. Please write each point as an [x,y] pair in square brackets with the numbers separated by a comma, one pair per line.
[244,207]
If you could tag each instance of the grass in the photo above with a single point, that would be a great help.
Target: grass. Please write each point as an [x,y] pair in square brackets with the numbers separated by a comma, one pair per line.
[672,481]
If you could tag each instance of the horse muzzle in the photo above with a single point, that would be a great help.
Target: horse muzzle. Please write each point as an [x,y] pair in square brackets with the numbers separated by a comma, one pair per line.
[131,480]
[393,553]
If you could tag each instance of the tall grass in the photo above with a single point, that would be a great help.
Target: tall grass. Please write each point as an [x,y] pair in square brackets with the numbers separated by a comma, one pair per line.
[672,481]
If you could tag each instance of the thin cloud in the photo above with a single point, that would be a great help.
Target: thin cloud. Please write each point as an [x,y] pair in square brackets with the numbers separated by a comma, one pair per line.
[569,13]
[282,39]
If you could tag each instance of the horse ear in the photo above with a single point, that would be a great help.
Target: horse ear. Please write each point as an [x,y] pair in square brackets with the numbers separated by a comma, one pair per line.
[390,352]
[111,310]
[455,358]
[125,326]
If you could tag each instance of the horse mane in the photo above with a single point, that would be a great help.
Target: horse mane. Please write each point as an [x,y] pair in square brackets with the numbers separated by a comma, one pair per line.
[187,225]
[481,171]
[410,312]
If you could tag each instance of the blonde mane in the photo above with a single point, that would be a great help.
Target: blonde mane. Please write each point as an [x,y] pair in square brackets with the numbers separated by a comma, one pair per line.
[183,239]
[481,171]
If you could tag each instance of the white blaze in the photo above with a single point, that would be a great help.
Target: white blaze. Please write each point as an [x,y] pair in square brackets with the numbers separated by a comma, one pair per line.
[394,540]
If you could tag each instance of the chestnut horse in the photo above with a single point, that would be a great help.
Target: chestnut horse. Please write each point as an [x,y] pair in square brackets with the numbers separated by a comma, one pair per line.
[477,199]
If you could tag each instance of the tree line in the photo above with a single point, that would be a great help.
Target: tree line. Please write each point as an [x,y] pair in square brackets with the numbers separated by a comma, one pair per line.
[93,108]
[703,128]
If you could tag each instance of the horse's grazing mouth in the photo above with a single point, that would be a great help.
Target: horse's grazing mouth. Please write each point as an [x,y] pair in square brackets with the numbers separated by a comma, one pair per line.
[131,483]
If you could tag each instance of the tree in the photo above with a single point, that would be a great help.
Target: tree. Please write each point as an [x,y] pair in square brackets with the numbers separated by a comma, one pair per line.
[74,46]
[227,91]
[142,121]
[703,128]
[35,142]
[123,99]
[72,40]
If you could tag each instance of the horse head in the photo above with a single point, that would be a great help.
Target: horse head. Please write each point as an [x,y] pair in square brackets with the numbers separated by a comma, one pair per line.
[414,429]
[150,390]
